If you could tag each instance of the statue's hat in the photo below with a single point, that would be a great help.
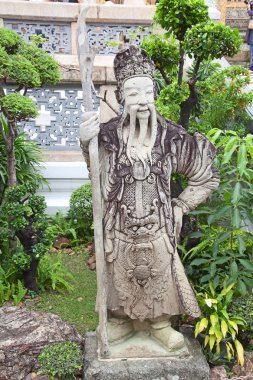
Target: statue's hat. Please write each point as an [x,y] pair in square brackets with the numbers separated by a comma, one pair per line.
[130,62]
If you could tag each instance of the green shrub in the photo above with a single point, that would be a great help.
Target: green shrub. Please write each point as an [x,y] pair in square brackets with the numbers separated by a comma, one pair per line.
[243,307]
[21,260]
[217,323]
[52,274]
[61,360]
[80,212]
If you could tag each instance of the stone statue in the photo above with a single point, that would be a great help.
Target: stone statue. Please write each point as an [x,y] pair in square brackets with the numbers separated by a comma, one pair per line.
[139,151]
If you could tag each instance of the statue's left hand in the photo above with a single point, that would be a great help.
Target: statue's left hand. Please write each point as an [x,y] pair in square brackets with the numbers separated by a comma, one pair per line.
[178,220]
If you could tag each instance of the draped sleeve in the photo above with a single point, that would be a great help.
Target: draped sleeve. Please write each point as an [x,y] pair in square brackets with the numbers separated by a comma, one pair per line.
[193,156]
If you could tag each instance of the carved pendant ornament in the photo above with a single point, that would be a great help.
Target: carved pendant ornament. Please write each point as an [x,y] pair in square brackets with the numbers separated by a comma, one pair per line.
[139,151]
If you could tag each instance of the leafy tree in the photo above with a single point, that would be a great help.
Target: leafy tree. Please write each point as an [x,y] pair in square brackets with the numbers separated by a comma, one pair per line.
[197,36]
[29,67]
[223,100]
[22,211]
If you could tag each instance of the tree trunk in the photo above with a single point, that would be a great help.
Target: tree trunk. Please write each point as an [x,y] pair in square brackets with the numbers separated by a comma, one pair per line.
[12,181]
[187,106]
[29,276]
[181,64]
[28,241]
[10,154]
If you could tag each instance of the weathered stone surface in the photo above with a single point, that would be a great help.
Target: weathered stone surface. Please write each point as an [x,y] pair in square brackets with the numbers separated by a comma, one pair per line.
[193,367]
[23,333]
[219,373]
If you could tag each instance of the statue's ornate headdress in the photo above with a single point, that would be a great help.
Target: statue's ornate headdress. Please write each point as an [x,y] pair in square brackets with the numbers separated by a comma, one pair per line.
[130,62]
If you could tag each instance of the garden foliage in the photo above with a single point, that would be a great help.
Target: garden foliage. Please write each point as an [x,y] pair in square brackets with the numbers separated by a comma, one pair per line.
[193,34]
[217,254]
[62,359]
[23,238]
[218,324]
[80,212]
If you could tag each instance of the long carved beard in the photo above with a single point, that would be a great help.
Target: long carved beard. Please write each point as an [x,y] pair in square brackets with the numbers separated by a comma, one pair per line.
[141,134]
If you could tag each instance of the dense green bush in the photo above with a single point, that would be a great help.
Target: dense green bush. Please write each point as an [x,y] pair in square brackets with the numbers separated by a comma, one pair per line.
[61,360]
[243,307]
[80,212]
[224,250]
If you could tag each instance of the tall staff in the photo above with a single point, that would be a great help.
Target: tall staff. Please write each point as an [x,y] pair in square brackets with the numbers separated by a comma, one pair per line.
[86,58]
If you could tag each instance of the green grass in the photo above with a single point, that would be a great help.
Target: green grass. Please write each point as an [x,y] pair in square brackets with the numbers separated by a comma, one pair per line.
[78,306]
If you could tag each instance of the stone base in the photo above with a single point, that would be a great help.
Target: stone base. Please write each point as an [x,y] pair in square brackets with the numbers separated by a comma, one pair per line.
[183,367]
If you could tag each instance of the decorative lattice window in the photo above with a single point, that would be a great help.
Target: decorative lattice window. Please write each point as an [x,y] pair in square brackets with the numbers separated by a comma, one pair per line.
[60,109]
[104,38]
[58,34]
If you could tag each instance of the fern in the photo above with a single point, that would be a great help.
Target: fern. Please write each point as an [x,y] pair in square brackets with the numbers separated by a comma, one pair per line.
[52,274]
[21,292]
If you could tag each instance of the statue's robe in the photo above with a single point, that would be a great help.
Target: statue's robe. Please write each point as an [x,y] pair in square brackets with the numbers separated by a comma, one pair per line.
[145,276]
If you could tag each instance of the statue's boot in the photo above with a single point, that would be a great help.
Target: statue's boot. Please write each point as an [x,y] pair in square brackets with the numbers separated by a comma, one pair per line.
[165,334]
[119,329]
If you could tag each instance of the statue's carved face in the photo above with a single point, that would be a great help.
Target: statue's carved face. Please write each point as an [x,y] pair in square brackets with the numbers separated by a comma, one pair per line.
[139,91]
[139,130]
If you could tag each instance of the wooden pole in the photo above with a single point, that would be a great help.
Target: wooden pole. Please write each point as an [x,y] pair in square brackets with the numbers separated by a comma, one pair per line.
[86,58]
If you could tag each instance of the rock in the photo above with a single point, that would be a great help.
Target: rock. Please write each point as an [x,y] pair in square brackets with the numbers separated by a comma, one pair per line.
[23,334]
[91,260]
[219,373]
[61,242]
[247,369]
[91,248]
[92,266]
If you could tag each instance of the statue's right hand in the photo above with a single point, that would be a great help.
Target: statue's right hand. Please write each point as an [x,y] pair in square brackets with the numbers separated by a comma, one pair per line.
[89,127]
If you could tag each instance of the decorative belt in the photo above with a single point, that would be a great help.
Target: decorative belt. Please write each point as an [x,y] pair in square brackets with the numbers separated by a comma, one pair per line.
[127,170]
[146,239]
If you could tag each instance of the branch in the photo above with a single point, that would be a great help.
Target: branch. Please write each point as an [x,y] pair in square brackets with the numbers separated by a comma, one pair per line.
[193,80]
[3,192]
[167,80]
[103,98]
[19,88]
[2,93]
